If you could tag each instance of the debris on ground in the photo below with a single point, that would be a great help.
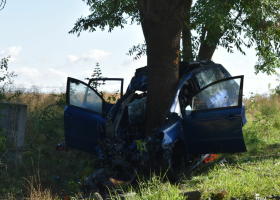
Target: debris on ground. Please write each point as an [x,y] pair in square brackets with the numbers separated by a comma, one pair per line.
[222,162]
[62,147]
[211,158]
[193,195]
[218,195]
[99,180]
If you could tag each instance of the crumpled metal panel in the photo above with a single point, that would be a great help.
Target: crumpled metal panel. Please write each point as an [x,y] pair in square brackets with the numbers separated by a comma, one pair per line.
[171,129]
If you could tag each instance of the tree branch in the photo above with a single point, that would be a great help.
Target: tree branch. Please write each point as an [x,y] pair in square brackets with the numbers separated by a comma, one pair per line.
[4,3]
[203,32]
[239,15]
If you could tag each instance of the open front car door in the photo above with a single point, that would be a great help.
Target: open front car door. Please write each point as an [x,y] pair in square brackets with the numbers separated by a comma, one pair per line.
[84,116]
[213,121]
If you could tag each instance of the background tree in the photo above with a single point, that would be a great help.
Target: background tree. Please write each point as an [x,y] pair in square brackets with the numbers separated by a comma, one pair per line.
[6,80]
[234,23]
[231,23]
[96,74]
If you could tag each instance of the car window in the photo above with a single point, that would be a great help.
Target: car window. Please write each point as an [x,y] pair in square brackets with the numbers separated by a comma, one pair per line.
[186,93]
[110,90]
[219,95]
[84,97]
[218,73]
[205,77]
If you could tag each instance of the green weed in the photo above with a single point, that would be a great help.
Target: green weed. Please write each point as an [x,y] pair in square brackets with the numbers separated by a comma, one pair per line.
[62,173]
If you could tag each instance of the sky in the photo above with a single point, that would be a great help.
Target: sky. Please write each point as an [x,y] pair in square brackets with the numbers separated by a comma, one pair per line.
[35,35]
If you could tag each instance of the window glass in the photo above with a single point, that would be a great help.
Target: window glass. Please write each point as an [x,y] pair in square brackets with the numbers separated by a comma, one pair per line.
[205,77]
[218,73]
[223,94]
[186,93]
[84,97]
[108,89]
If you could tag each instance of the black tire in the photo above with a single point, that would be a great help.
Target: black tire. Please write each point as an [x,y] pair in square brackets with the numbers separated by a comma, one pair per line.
[172,163]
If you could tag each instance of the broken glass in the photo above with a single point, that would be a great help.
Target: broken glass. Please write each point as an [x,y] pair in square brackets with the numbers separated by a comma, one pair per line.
[136,111]
[205,77]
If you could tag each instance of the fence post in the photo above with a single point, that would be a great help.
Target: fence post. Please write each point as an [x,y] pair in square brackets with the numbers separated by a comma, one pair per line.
[13,120]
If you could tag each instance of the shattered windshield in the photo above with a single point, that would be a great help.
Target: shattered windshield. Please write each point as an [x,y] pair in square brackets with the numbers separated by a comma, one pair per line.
[205,77]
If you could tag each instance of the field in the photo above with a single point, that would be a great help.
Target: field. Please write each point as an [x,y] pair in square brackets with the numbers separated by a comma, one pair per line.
[49,174]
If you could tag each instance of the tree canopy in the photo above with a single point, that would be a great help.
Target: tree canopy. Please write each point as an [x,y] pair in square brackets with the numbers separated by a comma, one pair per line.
[239,24]
[162,23]
[232,24]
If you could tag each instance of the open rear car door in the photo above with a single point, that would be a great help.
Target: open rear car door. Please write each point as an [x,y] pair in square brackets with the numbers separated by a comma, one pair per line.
[214,122]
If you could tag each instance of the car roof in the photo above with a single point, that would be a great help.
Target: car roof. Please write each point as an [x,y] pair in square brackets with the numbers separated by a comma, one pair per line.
[185,69]
[191,68]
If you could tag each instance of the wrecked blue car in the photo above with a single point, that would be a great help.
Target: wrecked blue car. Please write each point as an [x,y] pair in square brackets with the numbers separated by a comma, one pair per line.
[206,116]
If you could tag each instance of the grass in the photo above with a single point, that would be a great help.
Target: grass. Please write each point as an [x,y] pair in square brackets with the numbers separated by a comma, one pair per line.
[49,174]
[255,172]
[44,130]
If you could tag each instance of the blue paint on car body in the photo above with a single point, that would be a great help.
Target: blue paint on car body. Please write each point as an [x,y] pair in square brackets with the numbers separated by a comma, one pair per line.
[182,123]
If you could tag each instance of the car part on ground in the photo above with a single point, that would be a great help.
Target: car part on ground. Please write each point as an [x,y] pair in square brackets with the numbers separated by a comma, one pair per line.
[62,147]
[99,180]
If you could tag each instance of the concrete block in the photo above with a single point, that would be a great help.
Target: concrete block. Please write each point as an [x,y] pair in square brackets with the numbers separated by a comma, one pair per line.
[13,119]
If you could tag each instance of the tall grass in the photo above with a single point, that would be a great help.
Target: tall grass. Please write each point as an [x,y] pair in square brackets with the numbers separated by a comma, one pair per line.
[62,173]
[44,130]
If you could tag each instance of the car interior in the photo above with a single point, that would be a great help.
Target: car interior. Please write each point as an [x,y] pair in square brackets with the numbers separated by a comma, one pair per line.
[186,94]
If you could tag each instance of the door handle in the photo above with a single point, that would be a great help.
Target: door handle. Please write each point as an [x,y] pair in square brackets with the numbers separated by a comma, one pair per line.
[231,117]
[69,115]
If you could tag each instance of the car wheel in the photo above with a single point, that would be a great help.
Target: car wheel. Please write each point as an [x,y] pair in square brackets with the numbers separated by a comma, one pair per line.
[172,163]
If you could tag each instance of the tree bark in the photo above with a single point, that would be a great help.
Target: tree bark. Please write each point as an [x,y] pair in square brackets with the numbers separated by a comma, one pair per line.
[206,51]
[162,23]
[186,35]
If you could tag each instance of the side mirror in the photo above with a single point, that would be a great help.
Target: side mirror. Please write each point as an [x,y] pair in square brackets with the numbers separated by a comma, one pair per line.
[188,110]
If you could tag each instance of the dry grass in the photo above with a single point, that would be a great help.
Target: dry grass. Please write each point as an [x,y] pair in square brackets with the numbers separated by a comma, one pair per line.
[111,97]
[267,105]
[59,171]
[36,99]
[44,130]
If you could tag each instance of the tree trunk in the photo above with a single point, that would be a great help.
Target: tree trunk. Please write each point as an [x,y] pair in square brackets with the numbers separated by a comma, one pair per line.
[187,36]
[208,45]
[162,22]
[206,51]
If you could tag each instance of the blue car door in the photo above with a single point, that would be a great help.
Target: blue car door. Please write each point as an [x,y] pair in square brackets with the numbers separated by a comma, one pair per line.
[84,116]
[213,121]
